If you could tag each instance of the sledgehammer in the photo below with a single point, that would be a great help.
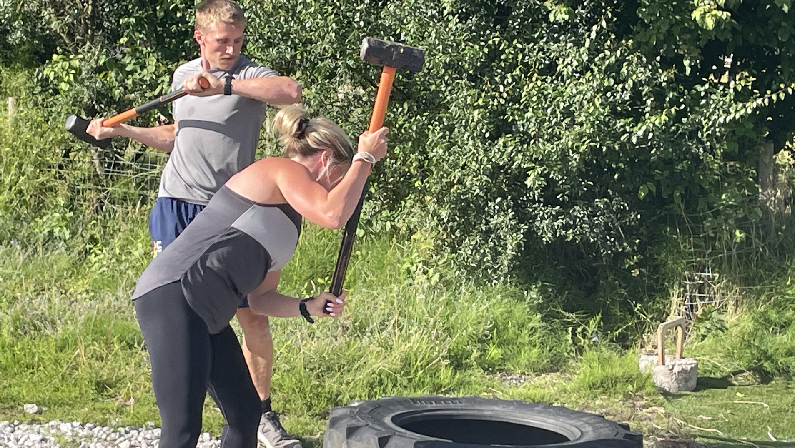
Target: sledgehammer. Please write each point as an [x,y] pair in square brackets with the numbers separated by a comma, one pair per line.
[78,125]
[392,56]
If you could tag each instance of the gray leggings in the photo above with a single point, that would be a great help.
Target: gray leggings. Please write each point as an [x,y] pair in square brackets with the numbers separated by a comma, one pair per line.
[188,362]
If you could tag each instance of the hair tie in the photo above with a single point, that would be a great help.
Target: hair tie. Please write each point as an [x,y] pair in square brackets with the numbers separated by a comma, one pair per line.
[300,128]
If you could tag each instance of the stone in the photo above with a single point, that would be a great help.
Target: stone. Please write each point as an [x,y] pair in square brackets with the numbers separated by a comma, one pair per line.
[677,375]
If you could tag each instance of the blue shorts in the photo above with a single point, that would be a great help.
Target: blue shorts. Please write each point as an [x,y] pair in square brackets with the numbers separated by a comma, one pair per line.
[168,219]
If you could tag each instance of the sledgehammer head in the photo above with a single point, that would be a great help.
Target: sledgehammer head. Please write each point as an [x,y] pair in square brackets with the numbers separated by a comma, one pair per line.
[392,54]
[78,126]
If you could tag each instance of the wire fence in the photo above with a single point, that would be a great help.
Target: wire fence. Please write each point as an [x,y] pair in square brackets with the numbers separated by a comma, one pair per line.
[112,178]
[722,271]
[125,174]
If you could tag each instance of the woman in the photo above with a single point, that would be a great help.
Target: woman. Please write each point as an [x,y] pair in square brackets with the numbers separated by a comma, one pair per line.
[233,250]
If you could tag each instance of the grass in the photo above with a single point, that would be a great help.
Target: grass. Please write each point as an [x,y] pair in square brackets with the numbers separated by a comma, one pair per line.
[69,342]
[717,408]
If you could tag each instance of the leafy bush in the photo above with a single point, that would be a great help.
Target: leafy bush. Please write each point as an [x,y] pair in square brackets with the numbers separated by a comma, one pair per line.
[539,142]
[531,128]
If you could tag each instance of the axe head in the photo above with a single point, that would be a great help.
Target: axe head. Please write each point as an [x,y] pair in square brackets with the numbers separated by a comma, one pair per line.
[392,54]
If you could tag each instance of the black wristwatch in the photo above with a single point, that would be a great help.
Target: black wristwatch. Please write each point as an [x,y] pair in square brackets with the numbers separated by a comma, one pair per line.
[228,85]
[305,312]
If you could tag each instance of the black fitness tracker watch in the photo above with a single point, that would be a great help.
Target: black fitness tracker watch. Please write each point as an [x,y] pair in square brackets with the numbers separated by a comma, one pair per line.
[305,312]
[228,85]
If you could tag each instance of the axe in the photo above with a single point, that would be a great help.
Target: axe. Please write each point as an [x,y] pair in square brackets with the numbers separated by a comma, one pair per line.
[392,56]
[78,125]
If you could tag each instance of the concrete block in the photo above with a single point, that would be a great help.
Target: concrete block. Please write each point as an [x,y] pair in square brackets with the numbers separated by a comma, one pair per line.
[677,375]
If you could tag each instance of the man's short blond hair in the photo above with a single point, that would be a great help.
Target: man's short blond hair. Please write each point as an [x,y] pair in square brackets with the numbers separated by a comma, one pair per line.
[219,11]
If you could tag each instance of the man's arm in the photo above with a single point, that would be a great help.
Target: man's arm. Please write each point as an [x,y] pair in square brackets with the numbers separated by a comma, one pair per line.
[275,90]
[272,90]
[158,137]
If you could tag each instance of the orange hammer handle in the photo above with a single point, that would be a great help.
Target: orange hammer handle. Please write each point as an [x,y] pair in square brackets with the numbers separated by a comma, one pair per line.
[382,98]
[134,112]
[122,117]
[376,122]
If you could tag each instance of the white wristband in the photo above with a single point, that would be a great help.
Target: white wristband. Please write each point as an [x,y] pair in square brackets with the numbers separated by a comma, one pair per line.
[365,156]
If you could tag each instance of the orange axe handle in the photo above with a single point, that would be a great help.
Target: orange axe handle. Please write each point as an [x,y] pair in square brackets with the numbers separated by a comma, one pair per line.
[78,125]
[391,56]
[382,98]
[122,117]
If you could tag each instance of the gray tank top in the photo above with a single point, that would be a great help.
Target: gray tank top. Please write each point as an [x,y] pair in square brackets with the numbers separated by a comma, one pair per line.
[224,254]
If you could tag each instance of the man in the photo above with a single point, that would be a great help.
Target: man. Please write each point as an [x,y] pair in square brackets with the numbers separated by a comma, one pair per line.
[214,136]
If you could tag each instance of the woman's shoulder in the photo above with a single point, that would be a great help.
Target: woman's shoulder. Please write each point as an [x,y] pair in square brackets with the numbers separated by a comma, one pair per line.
[266,172]
[264,180]
[276,163]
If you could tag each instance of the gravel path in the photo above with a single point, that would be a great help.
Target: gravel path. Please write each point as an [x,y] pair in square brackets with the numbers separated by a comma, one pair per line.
[78,435]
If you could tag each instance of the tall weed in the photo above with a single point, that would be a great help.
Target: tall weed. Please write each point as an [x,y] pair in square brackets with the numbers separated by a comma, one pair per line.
[758,340]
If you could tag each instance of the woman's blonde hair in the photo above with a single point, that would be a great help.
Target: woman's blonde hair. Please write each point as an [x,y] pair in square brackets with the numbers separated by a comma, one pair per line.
[304,136]
[219,11]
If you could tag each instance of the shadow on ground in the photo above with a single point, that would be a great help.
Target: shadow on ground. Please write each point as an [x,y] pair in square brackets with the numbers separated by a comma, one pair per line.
[711,382]
[720,442]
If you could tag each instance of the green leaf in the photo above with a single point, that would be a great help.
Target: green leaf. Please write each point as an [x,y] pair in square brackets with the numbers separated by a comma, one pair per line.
[783,33]
[709,22]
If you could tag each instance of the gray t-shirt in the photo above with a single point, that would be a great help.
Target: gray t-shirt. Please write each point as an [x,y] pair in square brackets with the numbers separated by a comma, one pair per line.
[216,136]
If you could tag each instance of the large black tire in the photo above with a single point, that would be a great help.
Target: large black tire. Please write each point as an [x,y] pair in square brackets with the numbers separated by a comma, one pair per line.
[470,422]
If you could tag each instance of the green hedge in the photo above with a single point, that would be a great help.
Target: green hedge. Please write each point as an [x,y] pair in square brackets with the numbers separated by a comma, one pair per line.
[537,142]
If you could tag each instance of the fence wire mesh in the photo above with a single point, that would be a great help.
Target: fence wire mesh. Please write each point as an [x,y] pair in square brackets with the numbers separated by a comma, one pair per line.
[717,275]
[111,178]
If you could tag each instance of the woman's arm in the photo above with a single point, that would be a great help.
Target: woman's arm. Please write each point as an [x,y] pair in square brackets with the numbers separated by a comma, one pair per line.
[274,180]
[266,300]
[331,209]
